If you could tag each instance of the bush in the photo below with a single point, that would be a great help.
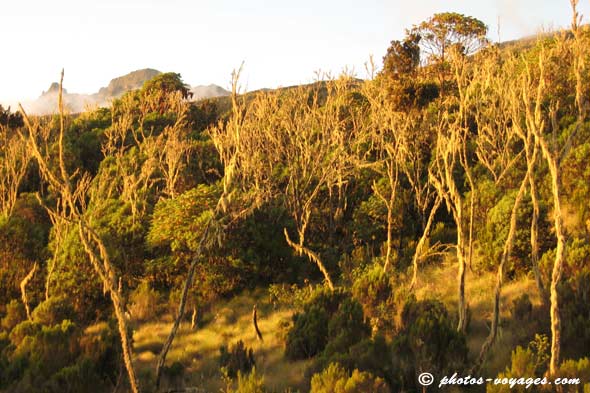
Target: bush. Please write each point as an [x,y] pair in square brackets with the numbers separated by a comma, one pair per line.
[22,330]
[577,369]
[15,314]
[334,379]
[427,341]
[370,354]
[53,311]
[522,308]
[100,343]
[309,334]
[575,314]
[251,383]
[144,302]
[525,363]
[42,352]
[346,327]
[173,377]
[247,383]
[81,377]
[237,359]
[291,296]
[373,290]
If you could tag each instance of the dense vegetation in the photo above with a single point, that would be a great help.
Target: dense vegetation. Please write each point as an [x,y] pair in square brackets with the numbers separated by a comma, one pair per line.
[334,197]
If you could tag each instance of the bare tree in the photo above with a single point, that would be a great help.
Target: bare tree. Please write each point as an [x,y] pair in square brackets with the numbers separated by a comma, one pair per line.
[14,161]
[294,144]
[535,98]
[452,134]
[73,192]
[441,175]
[386,130]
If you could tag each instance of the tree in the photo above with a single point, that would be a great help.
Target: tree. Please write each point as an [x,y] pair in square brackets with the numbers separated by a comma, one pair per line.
[401,75]
[299,145]
[73,195]
[449,29]
[403,57]
[10,120]
[386,124]
[235,201]
[537,106]
[168,82]
[14,161]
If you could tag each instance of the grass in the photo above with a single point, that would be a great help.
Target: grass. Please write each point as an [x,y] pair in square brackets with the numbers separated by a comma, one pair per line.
[230,321]
[441,283]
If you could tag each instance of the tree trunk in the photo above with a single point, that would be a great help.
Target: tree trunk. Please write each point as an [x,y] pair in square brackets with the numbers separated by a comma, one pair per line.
[194,318]
[389,231]
[23,290]
[301,250]
[423,238]
[462,306]
[255,323]
[508,244]
[535,228]
[557,269]
[187,284]
[111,284]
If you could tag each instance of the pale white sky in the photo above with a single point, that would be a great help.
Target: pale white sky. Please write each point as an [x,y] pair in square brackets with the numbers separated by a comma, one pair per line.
[281,42]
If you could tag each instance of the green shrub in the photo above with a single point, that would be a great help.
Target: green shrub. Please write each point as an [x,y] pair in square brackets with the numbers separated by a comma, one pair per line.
[81,377]
[427,341]
[100,343]
[525,363]
[522,308]
[577,369]
[144,302]
[432,336]
[15,314]
[309,334]
[53,310]
[346,327]
[250,383]
[292,296]
[372,288]
[22,330]
[575,315]
[370,354]
[238,358]
[335,379]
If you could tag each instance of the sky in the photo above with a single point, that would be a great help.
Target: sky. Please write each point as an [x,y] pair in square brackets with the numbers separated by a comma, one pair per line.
[280,42]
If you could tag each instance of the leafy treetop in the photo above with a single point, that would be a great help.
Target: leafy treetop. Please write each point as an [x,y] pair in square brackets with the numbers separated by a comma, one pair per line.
[449,29]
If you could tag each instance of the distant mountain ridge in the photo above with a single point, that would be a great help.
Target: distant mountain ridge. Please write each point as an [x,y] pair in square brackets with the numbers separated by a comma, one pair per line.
[76,103]
[210,91]
[132,81]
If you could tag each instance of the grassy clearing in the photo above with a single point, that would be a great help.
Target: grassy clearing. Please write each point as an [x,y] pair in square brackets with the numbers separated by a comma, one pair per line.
[230,321]
[226,324]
